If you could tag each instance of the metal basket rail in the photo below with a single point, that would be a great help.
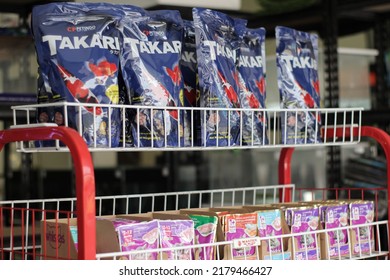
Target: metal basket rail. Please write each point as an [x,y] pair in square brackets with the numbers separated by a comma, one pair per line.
[85,208]
[380,136]
[150,202]
[274,128]
[20,221]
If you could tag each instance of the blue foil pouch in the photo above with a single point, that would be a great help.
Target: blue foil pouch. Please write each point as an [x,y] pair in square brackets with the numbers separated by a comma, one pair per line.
[150,56]
[218,41]
[190,96]
[77,47]
[250,77]
[297,60]
[127,115]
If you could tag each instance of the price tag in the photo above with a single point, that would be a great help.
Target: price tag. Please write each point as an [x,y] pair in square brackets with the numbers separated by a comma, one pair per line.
[246,242]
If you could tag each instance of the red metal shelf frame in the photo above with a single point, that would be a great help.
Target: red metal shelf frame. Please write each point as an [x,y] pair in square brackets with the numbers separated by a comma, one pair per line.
[377,134]
[85,178]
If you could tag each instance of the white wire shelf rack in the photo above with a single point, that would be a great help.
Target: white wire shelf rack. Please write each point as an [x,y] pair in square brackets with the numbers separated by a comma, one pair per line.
[20,221]
[240,128]
[149,202]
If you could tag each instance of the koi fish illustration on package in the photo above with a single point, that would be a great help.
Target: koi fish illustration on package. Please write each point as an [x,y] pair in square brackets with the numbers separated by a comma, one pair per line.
[150,66]
[77,47]
[250,77]
[298,82]
[218,42]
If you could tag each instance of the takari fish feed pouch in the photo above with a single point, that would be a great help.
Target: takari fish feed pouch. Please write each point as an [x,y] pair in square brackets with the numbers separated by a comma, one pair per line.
[190,94]
[77,47]
[150,57]
[250,77]
[297,67]
[127,115]
[218,42]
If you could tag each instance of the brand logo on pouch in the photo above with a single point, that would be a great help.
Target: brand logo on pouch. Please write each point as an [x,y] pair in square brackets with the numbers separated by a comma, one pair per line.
[220,50]
[243,60]
[149,47]
[250,61]
[299,62]
[80,28]
[160,33]
[71,29]
[80,42]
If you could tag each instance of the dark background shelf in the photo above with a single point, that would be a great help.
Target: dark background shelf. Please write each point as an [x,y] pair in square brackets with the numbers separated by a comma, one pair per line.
[353,15]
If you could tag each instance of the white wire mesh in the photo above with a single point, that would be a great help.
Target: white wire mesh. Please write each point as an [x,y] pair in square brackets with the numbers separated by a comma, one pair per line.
[25,215]
[273,131]
[22,214]
[142,203]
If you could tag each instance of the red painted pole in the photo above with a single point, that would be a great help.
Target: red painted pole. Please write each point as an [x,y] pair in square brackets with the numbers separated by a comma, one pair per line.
[285,172]
[377,134]
[85,178]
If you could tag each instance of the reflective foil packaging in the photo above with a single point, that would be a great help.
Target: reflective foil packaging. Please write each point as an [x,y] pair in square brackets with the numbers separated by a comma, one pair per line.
[190,93]
[218,42]
[150,58]
[250,77]
[99,54]
[77,47]
[297,58]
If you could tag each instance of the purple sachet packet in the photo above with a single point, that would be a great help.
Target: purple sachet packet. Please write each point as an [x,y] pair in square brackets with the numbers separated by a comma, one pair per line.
[176,233]
[138,237]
